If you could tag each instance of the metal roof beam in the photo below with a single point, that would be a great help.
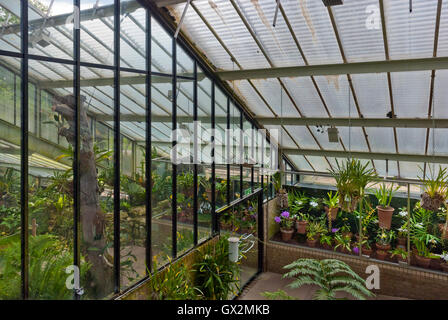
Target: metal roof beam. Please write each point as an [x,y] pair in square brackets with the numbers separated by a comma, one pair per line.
[357,122]
[438,63]
[368,155]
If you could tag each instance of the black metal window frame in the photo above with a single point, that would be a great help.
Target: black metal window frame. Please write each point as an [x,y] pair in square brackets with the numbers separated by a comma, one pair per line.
[77,64]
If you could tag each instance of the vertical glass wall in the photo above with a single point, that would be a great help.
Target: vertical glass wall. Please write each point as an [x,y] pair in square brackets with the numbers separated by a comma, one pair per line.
[97,192]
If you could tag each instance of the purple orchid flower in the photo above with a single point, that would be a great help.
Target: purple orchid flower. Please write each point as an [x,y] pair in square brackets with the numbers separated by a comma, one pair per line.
[356,250]
[277,219]
[285,214]
[334,230]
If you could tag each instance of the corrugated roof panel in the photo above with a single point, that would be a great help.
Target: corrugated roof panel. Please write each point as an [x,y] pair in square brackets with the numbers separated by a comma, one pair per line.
[372,92]
[312,26]
[359,26]
[228,25]
[410,34]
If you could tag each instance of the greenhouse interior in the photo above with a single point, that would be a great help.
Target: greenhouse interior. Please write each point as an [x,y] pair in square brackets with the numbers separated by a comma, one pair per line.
[223,149]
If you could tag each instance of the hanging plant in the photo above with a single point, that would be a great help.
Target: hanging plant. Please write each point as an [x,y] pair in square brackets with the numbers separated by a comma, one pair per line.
[435,189]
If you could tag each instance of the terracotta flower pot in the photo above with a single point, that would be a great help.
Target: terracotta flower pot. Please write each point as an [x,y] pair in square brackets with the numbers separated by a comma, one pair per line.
[423,262]
[444,266]
[286,234]
[332,213]
[381,254]
[301,226]
[312,243]
[326,246]
[401,241]
[385,216]
[381,247]
[367,252]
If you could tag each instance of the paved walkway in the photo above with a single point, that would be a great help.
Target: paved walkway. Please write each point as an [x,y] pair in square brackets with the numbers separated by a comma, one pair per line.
[271,282]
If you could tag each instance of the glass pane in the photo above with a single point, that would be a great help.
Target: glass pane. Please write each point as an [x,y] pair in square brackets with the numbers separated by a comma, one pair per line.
[10,222]
[10,17]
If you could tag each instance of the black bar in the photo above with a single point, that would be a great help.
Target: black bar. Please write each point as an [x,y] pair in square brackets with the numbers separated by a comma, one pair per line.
[24,151]
[117,144]
[76,165]
[148,149]
[241,154]
[174,174]
[228,150]
[195,156]
[215,220]
[260,232]
[252,148]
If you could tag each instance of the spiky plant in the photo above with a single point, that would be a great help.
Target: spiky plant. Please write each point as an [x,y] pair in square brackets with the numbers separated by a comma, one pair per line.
[330,275]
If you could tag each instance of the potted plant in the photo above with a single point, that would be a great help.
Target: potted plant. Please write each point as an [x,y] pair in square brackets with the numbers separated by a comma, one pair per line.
[314,230]
[401,254]
[286,225]
[343,243]
[352,178]
[346,231]
[421,238]
[332,205]
[207,187]
[301,222]
[435,189]
[365,246]
[402,237]
[384,196]
[282,195]
[383,240]
[326,241]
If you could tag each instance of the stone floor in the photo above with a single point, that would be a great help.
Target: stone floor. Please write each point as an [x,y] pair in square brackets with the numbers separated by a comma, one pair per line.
[271,282]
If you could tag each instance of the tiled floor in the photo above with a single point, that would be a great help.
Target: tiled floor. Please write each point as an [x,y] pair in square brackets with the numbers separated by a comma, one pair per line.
[271,282]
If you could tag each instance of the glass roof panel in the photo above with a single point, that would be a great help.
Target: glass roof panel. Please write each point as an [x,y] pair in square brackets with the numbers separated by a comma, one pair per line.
[312,26]
[410,34]
[372,92]
[336,92]
[360,29]
[411,93]
[277,41]
[381,139]
[438,142]
[390,169]
[442,50]
[229,27]
[411,140]
[306,96]
[300,162]
[441,94]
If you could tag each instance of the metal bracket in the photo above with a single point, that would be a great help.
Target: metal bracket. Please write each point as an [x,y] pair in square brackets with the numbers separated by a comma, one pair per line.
[182,19]
[276,13]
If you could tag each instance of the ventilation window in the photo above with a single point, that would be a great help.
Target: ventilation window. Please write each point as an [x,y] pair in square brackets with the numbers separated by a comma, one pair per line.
[330,3]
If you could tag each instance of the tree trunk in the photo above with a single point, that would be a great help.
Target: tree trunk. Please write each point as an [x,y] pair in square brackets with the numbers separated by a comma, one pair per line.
[92,217]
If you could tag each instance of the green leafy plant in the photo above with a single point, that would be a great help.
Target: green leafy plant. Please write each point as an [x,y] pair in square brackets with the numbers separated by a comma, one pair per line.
[352,178]
[436,184]
[332,201]
[420,235]
[400,252]
[48,260]
[385,237]
[277,295]
[385,194]
[326,239]
[330,276]
[314,229]
[342,242]
[215,275]
[173,283]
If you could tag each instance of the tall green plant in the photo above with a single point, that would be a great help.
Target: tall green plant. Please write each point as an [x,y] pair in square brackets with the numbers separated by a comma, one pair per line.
[215,275]
[385,194]
[352,178]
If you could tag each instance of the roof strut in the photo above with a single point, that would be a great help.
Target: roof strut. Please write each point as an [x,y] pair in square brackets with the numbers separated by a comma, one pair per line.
[182,19]
[276,13]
